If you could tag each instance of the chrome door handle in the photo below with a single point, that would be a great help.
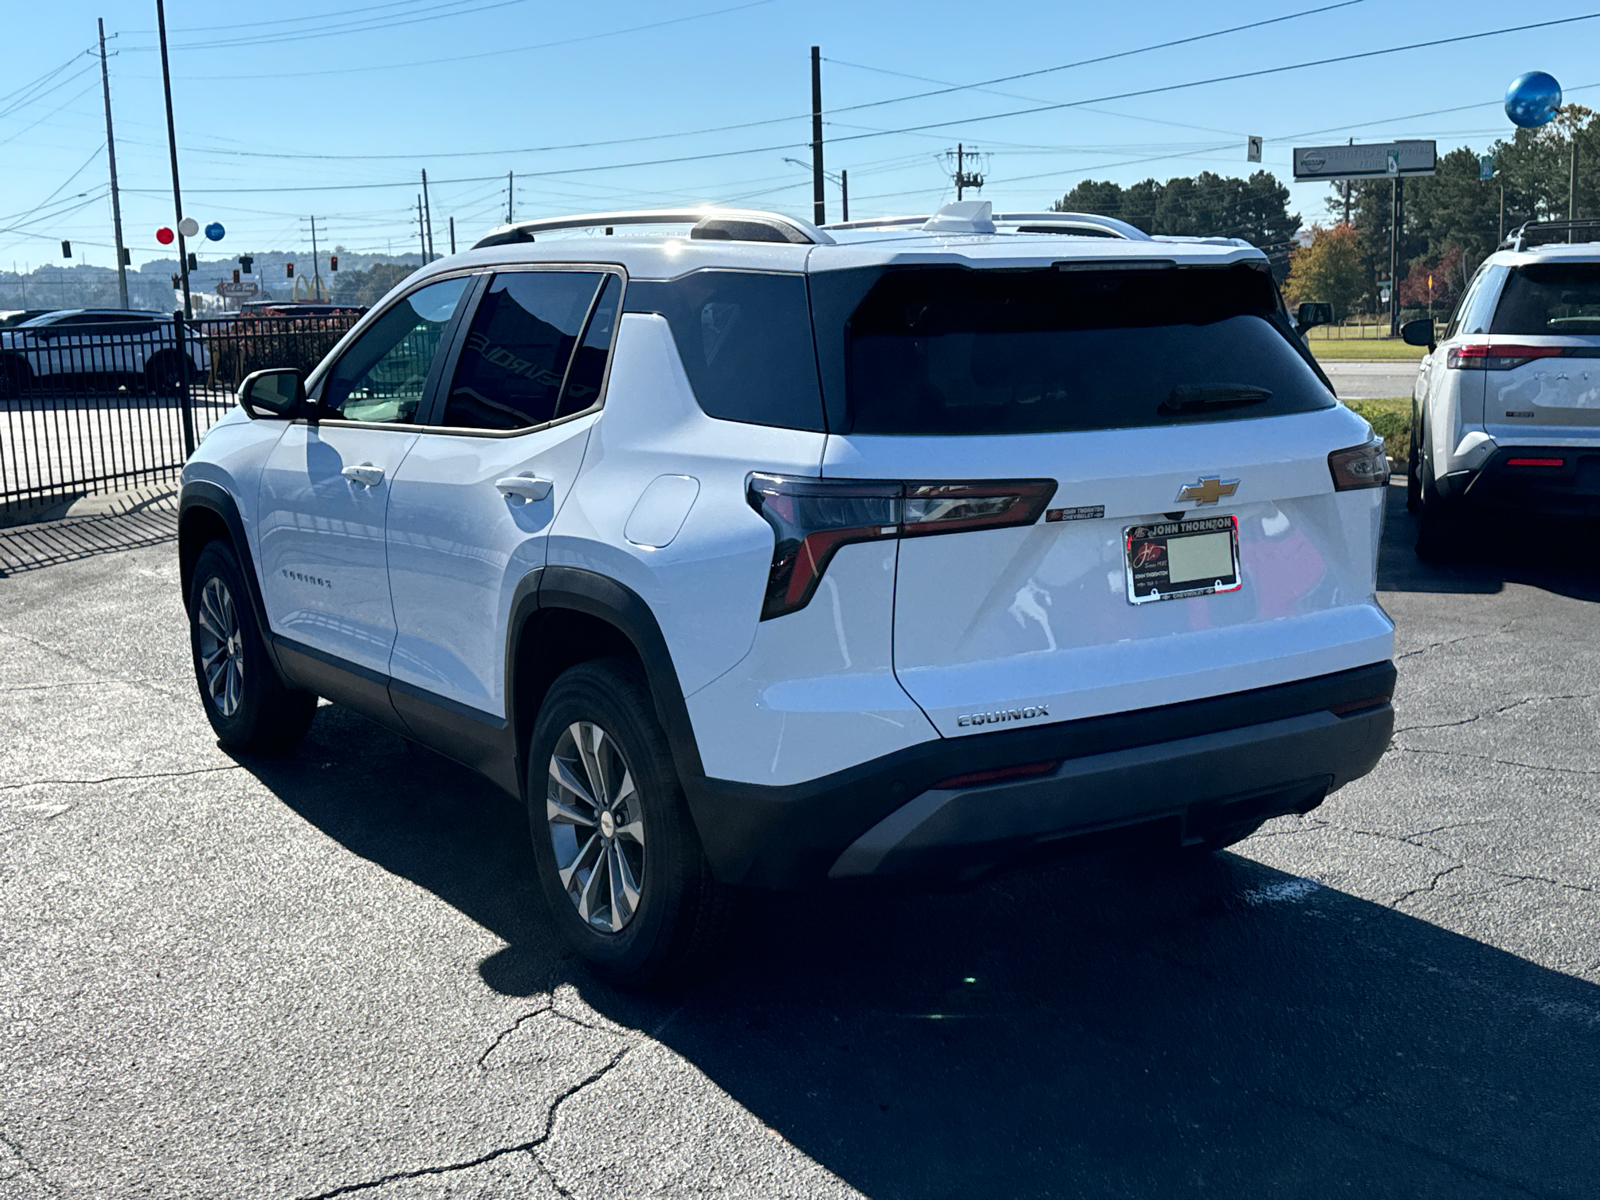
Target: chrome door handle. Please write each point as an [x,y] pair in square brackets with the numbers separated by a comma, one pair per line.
[365,474]
[526,486]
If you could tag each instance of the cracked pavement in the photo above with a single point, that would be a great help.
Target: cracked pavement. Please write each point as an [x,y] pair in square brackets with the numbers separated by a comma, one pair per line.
[328,975]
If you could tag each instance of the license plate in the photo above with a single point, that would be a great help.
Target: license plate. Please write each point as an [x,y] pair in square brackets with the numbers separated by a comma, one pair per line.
[1175,559]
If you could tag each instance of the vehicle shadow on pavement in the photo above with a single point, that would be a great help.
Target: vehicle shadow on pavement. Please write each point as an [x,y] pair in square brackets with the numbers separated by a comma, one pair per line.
[1099,1025]
[1554,555]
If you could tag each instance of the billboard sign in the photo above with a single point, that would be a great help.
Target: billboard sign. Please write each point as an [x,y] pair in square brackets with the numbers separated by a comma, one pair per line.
[238,291]
[1375,160]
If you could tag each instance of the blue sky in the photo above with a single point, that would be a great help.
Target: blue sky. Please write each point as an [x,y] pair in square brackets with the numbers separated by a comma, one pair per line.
[280,116]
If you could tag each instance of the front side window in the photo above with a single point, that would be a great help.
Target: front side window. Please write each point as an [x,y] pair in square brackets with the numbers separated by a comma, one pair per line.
[382,377]
[517,351]
[1550,298]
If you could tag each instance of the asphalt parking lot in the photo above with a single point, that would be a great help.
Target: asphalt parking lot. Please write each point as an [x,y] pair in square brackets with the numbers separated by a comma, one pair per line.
[328,975]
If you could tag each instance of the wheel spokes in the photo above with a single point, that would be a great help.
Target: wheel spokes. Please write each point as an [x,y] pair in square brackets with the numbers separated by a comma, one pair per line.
[592,813]
[564,777]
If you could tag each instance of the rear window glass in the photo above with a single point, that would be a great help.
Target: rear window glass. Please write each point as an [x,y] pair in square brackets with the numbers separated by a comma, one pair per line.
[745,341]
[950,351]
[1552,298]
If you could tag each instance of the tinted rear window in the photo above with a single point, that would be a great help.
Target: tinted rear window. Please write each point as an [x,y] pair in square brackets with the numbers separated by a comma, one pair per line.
[745,341]
[1550,298]
[950,351]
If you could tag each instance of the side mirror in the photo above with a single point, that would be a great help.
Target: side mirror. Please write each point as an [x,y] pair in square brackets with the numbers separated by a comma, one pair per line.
[1313,313]
[280,392]
[1418,333]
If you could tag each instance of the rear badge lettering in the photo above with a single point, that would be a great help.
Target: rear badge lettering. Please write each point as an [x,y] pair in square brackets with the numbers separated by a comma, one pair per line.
[1005,714]
[1084,512]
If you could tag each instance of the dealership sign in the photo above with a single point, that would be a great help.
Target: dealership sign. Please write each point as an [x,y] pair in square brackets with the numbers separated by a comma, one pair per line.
[1375,160]
[239,291]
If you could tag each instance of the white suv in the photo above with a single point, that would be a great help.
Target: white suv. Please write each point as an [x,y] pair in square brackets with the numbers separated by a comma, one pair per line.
[1503,418]
[747,552]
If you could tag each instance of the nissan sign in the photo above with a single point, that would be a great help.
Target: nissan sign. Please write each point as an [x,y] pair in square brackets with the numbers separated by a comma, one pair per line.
[1375,160]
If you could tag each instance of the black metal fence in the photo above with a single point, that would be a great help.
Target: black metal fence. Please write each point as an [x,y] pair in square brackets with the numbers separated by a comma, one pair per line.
[117,403]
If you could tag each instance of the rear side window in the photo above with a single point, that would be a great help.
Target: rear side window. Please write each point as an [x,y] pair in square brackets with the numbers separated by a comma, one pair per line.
[951,351]
[1550,298]
[745,341]
[588,370]
[517,350]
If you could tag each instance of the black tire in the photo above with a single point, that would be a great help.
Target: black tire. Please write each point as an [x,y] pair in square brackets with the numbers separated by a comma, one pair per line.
[163,373]
[255,711]
[1414,469]
[16,376]
[683,915]
[1440,536]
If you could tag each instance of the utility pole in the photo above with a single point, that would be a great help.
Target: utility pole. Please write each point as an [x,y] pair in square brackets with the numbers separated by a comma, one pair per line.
[818,201]
[844,191]
[111,158]
[1502,212]
[172,146]
[452,237]
[422,237]
[427,209]
[1396,216]
[964,178]
[511,197]
[316,265]
[1572,185]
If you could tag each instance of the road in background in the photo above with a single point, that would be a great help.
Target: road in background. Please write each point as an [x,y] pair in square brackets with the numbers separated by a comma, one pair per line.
[1371,380]
[329,974]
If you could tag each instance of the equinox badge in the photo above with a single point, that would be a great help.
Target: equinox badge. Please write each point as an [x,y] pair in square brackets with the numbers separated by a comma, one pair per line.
[1208,490]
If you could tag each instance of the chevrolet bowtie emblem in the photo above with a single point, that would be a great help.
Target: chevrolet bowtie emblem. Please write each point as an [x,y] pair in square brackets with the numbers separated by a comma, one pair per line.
[1209,490]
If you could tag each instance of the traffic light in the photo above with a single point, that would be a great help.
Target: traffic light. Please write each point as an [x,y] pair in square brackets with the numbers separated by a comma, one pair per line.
[194,265]
[176,283]
[247,263]
[127,257]
[66,249]
[333,262]
[288,270]
[236,274]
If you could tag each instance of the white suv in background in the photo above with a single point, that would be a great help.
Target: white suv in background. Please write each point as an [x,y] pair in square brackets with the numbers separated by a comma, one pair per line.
[1506,407]
[746,552]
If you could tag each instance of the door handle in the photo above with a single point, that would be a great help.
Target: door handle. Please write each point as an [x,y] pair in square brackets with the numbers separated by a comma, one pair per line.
[365,474]
[526,486]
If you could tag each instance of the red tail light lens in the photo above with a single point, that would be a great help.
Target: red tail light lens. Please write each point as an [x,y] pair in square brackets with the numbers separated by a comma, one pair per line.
[1359,467]
[812,518]
[1498,358]
[1536,462]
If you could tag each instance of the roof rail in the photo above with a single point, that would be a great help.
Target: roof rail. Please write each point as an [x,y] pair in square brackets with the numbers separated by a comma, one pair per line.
[1082,224]
[1517,239]
[720,223]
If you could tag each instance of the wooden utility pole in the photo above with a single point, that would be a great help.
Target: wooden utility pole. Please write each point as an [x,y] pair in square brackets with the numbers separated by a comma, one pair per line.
[172,146]
[511,197]
[818,199]
[452,236]
[422,236]
[111,158]
[427,210]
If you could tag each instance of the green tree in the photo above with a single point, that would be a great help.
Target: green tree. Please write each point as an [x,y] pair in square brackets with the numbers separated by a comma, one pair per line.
[1329,269]
[369,286]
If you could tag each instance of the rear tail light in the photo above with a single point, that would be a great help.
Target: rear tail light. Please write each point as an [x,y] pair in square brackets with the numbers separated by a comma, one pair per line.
[1000,774]
[812,518]
[1536,462]
[1359,467]
[1498,358]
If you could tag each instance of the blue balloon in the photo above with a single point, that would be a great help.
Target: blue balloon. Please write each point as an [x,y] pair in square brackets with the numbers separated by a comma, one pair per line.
[1532,99]
[214,231]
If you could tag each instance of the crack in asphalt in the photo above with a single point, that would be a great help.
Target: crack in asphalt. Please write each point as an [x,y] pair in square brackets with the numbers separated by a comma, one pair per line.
[8,787]
[28,1166]
[94,667]
[527,1147]
[1431,884]
[483,1059]
[1467,637]
[1505,762]
[1495,712]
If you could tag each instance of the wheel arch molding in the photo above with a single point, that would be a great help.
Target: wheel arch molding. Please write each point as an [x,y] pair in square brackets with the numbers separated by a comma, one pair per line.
[208,513]
[561,616]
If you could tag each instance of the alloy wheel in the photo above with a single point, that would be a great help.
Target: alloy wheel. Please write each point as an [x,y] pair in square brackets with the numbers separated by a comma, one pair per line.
[596,826]
[221,647]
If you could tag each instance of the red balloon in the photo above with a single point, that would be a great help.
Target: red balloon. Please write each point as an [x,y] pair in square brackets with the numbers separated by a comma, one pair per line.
[165,236]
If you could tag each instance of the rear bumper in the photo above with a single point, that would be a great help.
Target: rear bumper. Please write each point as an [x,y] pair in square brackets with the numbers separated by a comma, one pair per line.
[1570,490]
[1199,767]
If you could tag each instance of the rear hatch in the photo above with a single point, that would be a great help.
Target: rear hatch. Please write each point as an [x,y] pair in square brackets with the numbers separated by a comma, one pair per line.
[1154,396]
[1541,361]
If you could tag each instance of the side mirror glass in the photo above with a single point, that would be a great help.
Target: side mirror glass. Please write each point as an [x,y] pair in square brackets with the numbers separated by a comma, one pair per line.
[1313,313]
[1418,333]
[280,392]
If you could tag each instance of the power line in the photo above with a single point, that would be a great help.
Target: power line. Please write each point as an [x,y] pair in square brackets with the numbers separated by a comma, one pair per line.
[344,12]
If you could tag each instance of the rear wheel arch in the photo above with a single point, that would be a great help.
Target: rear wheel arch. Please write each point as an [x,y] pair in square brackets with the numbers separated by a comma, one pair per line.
[563,616]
